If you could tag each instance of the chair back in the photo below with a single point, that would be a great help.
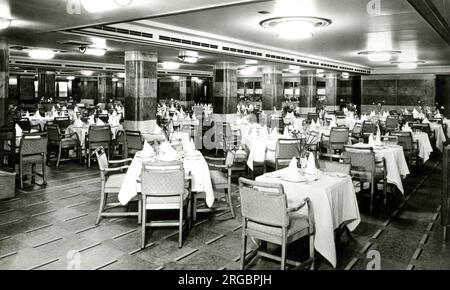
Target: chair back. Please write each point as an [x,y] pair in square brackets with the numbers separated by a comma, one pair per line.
[334,166]
[99,134]
[104,118]
[390,140]
[339,135]
[313,116]
[62,122]
[362,159]
[163,179]
[405,139]
[24,124]
[287,149]
[408,118]
[426,128]
[357,131]
[102,158]
[369,127]
[277,122]
[7,144]
[263,203]
[33,144]
[134,140]
[54,134]
[394,113]
[392,123]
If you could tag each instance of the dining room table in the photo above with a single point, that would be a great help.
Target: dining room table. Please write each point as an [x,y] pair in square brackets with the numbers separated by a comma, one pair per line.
[195,167]
[439,135]
[83,131]
[334,205]
[425,148]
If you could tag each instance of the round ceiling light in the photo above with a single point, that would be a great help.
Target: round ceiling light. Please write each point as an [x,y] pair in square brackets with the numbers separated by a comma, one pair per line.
[41,54]
[295,27]
[408,64]
[96,6]
[380,55]
[4,23]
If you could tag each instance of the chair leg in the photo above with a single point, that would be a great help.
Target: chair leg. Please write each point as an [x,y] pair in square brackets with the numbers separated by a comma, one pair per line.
[88,153]
[372,193]
[102,206]
[21,173]
[44,171]
[144,222]
[180,228]
[244,245]
[311,250]
[283,250]
[385,190]
[139,210]
[59,156]
[230,202]
[194,207]
[33,172]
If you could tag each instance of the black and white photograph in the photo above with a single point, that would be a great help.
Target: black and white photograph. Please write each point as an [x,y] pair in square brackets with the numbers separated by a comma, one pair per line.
[248,137]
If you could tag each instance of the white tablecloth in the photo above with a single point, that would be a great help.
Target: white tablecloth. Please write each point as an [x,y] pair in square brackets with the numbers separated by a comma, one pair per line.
[258,147]
[183,137]
[334,203]
[197,167]
[440,135]
[425,148]
[396,165]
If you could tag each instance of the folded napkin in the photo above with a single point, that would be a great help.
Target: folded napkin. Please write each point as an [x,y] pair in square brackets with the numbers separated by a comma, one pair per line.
[311,168]
[385,114]
[190,147]
[313,125]
[19,131]
[78,123]
[91,120]
[438,115]
[415,112]
[27,115]
[53,109]
[426,121]
[333,124]
[100,122]
[274,133]
[371,140]
[406,128]
[372,114]
[157,130]
[188,117]
[147,149]
[364,118]
[286,133]
[114,113]
[167,153]
[76,109]
[292,172]
[175,117]
[264,133]
[37,115]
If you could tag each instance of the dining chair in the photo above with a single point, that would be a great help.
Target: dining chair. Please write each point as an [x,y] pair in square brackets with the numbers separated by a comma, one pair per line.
[410,147]
[133,142]
[221,171]
[407,118]
[62,122]
[267,217]
[335,142]
[334,163]
[8,145]
[365,168]
[278,123]
[285,150]
[111,182]
[98,136]
[164,188]
[26,126]
[118,146]
[33,151]
[392,124]
[104,118]
[313,116]
[356,135]
[369,127]
[59,143]
[423,127]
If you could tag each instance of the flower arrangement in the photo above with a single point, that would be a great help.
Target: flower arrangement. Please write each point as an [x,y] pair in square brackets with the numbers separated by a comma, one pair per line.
[379,106]
[305,142]
[321,103]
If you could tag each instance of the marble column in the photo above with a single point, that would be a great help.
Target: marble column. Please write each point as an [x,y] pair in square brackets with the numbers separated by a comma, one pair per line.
[4,82]
[141,86]
[272,88]
[47,84]
[225,91]
[105,88]
[308,91]
[185,90]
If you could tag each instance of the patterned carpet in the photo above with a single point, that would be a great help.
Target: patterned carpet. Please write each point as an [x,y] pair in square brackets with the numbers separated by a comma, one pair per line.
[53,228]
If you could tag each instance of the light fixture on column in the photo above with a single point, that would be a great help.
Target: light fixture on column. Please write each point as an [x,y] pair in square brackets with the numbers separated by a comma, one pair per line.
[408,64]
[115,80]
[345,75]
[295,27]
[380,55]
[188,56]
[87,73]
[4,23]
[41,54]
[121,75]
[93,51]
[170,65]
[175,78]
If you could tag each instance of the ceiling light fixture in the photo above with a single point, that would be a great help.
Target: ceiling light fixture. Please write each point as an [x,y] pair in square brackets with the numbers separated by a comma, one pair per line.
[248,70]
[70,78]
[345,75]
[121,75]
[170,65]
[380,55]
[251,61]
[175,78]
[408,64]
[87,73]
[95,51]
[115,80]
[295,27]
[188,56]
[41,54]
[4,23]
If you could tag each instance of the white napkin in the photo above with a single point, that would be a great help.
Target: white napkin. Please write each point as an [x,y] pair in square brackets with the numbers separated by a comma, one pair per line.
[378,138]
[157,130]
[78,123]
[371,140]
[19,131]
[114,113]
[53,109]
[415,112]
[190,147]
[333,124]
[311,168]
[147,149]
[274,133]
[364,118]
[264,133]
[438,115]
[167,153]
[175,117]
[91,120]
[372,114]
[286,133]
[37,115]
[104,112]
[188,118]
[64,108]
[426,121]
[100,122]
[406,128]
[385,114]
[76,109]
[292,172]
[313,125]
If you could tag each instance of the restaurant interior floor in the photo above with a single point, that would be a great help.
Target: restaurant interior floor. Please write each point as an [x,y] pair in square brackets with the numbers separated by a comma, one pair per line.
[42,227]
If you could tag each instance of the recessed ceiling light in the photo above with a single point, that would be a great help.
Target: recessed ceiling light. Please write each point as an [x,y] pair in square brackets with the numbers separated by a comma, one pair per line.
[171,65]
[408,64]
[4,23]
[295,27]
[41,54]
[95,51]
[87,73]
[345,75]
[70,78]
[380,55]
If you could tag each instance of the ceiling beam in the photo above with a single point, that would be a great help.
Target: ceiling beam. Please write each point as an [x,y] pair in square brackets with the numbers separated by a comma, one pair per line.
[431,14]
